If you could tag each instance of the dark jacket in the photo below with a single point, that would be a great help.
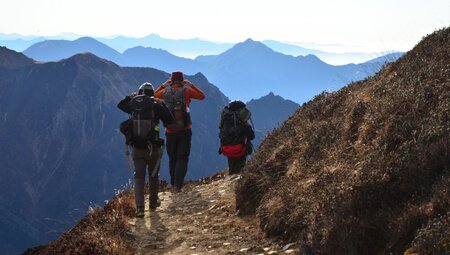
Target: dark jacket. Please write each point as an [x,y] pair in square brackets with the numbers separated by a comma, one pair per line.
[160,109]
[160,113]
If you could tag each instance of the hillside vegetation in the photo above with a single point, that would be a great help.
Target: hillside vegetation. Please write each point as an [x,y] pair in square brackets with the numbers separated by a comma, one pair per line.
[365,170]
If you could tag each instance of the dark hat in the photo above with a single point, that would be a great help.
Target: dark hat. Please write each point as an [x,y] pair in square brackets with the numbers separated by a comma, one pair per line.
[177,76]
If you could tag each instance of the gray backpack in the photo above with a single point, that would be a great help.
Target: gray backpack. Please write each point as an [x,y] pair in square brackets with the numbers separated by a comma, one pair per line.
[174,99]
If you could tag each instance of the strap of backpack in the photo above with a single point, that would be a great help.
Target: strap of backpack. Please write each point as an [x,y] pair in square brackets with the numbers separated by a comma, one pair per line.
[251,121]
[172,91]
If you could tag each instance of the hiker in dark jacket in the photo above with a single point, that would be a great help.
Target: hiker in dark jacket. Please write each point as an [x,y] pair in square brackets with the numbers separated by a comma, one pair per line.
[177,94]
[147,151]
[236,135]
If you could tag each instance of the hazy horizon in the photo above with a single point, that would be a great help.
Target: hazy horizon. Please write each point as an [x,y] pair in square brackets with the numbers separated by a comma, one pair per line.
[344,26]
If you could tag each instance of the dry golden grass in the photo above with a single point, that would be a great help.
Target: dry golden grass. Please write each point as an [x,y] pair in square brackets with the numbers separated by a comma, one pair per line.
[364,170]
[102,231]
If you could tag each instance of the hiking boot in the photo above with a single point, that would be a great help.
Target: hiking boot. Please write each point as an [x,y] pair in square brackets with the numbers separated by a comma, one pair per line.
[153,206]
[176,189]
[140,212]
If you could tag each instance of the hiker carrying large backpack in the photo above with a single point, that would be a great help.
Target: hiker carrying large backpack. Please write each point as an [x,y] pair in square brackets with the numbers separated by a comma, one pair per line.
[177,94]
[142,134]
[235,135]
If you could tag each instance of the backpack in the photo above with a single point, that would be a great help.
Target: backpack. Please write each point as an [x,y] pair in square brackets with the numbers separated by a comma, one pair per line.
[140,129]
[175,101]
[233,128]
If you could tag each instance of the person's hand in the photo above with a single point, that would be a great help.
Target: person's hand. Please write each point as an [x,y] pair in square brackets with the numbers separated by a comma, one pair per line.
[158,100]
[187,83]
[133,94]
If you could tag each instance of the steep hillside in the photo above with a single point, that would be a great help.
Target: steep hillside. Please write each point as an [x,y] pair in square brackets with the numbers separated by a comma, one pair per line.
[61,148]
[365,170]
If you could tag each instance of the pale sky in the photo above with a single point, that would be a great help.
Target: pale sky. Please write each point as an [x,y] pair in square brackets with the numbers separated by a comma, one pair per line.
[362,25]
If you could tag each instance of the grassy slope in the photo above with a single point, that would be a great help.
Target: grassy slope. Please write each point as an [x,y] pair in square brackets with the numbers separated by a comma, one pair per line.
[365,170]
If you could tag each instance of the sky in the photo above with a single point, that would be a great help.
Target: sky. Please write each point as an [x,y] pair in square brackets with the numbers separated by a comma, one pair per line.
[348,25]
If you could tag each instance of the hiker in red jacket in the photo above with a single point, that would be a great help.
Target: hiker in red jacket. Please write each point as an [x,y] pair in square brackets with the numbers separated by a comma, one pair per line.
[177,94]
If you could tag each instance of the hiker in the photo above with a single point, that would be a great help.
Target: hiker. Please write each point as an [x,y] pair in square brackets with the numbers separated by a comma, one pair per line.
[142,134]
[235,135]
[177,94]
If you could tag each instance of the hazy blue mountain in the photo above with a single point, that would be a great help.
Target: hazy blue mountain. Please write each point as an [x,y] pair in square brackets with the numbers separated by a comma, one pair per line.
[189,48]
[180,47]
[248,70]
[61,148]
[54,50]
[19,44]
[328,57]
[160,59]
[251,69]
[290,49]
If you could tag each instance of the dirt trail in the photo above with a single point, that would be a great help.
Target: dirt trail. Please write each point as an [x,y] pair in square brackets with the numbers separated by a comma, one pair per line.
[201,220]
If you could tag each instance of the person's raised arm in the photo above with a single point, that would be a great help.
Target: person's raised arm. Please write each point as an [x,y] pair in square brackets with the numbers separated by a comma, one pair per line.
[123,104]
[193,91]
[159,92]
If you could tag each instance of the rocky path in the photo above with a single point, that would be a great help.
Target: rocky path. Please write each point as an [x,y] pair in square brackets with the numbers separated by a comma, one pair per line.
[201,220]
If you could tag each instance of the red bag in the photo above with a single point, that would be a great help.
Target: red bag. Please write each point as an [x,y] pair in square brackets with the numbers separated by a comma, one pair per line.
[233,151]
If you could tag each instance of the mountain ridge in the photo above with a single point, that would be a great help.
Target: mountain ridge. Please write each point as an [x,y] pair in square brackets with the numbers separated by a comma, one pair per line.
[192,48]
[12,59]
[266,68]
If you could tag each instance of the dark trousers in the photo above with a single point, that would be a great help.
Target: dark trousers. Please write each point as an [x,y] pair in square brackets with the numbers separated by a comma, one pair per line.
[178,149]
[235,165]
[145,160]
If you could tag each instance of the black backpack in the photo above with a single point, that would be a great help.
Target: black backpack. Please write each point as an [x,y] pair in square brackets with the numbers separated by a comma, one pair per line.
[232,129]
[174,99]
[141,129]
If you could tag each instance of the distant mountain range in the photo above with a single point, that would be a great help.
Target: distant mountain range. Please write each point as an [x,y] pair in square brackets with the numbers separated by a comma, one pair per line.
[61,148]
[328,57]
[181,47]
[190,48]
[248,70]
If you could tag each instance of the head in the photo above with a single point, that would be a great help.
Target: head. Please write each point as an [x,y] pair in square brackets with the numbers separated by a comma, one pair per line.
[177,77]
[146,88]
